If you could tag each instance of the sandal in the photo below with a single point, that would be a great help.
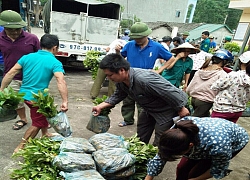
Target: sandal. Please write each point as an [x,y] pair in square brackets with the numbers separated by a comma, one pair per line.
[123,123]
[17,126]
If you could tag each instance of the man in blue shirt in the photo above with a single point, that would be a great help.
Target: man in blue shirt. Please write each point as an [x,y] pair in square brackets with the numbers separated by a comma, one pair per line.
[141,52]
[212,42]
[126,35]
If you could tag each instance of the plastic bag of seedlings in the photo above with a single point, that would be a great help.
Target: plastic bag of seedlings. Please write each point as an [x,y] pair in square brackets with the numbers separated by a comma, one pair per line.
[124,174]
[7,114]
[71,162]
[98,124]
[82,175]
[109,161]
[76,145]
[61,125]
[246,113]
[107,140]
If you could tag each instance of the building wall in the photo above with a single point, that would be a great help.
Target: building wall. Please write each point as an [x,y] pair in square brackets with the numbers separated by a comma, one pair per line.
[220,34]
[160,32]
[245,17]
[157,10]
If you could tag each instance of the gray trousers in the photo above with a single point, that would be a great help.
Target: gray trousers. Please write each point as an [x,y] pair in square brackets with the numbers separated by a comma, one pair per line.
[146,125]
[128,110]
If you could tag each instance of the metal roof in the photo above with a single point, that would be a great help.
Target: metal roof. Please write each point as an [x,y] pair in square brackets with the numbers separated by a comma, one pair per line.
[196,33]
[194,29]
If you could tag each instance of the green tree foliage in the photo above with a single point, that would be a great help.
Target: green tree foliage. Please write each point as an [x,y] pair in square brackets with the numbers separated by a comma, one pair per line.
[43,2]
[233,18]
[216,12]
[127,23]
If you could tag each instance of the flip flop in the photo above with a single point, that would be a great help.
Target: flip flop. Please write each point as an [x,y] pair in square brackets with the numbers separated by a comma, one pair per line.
[17,126]
[122,124]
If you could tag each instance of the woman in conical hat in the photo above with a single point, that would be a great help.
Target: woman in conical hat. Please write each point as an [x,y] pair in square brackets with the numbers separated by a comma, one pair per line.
[182,66]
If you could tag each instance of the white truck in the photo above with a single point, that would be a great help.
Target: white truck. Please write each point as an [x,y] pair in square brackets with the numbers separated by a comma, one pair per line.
[81,25]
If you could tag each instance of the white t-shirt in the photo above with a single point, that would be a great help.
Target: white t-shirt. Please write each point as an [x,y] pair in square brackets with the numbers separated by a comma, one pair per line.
[114,44]
[165,45]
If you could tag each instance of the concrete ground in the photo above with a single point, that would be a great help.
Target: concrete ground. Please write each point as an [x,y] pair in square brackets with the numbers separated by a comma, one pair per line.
[80,105]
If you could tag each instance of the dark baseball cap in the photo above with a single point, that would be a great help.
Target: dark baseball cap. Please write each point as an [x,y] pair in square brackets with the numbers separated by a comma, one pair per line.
[166,39]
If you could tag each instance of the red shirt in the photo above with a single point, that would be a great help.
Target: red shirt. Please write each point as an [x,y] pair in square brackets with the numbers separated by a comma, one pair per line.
[12,51]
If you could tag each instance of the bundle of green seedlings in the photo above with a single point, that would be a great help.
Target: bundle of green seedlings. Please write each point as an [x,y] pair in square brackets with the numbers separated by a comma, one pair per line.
[45,103]
[9,99]
[92,61]
[105,111]
[37,155]
[142,152]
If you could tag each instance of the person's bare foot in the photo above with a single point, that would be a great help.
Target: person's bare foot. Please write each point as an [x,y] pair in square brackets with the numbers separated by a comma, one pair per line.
[20,146]
[50,135]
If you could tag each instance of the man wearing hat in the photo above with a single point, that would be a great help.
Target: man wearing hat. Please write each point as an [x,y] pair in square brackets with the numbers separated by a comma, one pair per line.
[14,43]
[175,43]
[166,41]
[212,42]
[184,37]
[227,39]
[141,52]
[181,66]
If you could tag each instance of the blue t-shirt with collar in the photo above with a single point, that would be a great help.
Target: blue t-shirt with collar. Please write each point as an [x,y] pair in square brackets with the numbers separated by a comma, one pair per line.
[38,69]
[144,58]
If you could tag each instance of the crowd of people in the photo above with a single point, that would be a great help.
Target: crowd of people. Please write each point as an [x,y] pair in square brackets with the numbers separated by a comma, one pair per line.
[206,143]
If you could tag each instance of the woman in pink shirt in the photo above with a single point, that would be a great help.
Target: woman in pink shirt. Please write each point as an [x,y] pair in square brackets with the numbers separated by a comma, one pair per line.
[200,86]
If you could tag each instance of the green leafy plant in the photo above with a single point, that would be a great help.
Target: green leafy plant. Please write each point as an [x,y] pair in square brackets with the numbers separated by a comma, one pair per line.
[232,47]
[92,61]
[211,50]
[9,99]
[105,111]
[45,103]
[248,104]
[37,155]
[142,152]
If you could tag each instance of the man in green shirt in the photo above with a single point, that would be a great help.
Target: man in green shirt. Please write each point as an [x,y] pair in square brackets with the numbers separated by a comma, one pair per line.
[206,41]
